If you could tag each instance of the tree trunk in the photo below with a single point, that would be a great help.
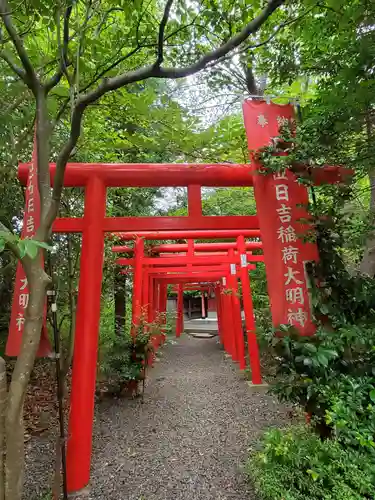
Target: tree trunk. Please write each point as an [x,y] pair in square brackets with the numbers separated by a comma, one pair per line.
[14,464]
[119,281]
[3,404]
[367,265]
[72,267]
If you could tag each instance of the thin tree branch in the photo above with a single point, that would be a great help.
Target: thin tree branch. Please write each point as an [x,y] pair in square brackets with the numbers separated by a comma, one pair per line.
[150,71]
[64,63]
[60,113]
[140,20]
[31,78]
[105,17]
[163,25]
[154,71]
[112,66]
[280,27]
[181,28]
[18,71]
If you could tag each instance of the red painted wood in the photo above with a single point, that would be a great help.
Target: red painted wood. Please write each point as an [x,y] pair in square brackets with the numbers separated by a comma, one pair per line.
[252,343]
[180,311]
[188,278]
[236,315]
[191,234]
[194,201]
[168,174]
[198,247]
[86,339]
[184,260]
[138,225]
[151,175]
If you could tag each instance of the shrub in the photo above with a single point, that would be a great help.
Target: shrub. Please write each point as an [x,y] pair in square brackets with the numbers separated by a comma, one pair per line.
[331,376]
[120,364]
[295,464]
[351,411]
[123,357]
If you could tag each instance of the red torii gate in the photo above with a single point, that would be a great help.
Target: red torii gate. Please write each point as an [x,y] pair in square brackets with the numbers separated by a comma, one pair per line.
[278,201]
[95,178]
[149,272]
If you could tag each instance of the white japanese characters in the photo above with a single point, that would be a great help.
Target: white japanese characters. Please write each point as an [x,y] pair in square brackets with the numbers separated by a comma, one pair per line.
[262,121]
[294,283]
[291,277]
[282,192]
[21,296]
[286,234]
[290,254]
[299,316]
[284,213]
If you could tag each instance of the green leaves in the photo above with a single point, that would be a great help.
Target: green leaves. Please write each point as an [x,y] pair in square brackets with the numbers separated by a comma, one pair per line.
[295,464]
[31,247]
[25,247]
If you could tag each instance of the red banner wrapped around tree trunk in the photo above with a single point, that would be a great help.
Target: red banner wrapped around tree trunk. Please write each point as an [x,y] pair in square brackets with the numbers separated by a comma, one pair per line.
[280,203]
[21,290]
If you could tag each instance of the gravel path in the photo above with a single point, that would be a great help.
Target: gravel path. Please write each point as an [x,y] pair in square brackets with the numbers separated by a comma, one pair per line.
[190,438]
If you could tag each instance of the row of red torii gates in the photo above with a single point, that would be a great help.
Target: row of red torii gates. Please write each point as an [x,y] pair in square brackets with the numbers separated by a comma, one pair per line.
[217,265]
[276,230]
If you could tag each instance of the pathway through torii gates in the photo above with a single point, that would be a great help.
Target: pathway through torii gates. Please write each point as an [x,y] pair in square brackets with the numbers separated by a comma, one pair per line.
[191,437]
[189,440]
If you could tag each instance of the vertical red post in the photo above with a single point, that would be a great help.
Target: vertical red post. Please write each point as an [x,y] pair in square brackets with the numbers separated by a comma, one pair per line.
[194,201]
[230,343]
[237,317]
[162,309]
[224,314]
[153,309]
[180,310]
[145,293]
[218,313]
[86,338]
[190,250]
[151,300]
[137,283]
[252,343]
[156,300]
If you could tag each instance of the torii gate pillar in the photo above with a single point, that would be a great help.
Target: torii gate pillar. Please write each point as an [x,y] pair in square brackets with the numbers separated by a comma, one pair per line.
[86,338]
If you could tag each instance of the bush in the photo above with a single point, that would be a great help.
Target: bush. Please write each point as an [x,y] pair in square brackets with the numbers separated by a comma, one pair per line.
[331,376]
[124,360]
[351,411]
[122,357]
[295,464]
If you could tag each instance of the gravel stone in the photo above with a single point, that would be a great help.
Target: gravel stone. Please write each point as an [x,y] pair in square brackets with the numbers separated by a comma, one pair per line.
[191,437]
[188,441]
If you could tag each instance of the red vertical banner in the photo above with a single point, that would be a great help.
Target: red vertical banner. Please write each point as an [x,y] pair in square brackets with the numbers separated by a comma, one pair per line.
[281,203]
[21,289]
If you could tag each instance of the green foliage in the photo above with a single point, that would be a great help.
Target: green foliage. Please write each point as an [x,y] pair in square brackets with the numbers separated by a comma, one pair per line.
[261,305]
[25,246]
[332,376]
[295,464]
[229,201]
[343,297]
[124,357]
